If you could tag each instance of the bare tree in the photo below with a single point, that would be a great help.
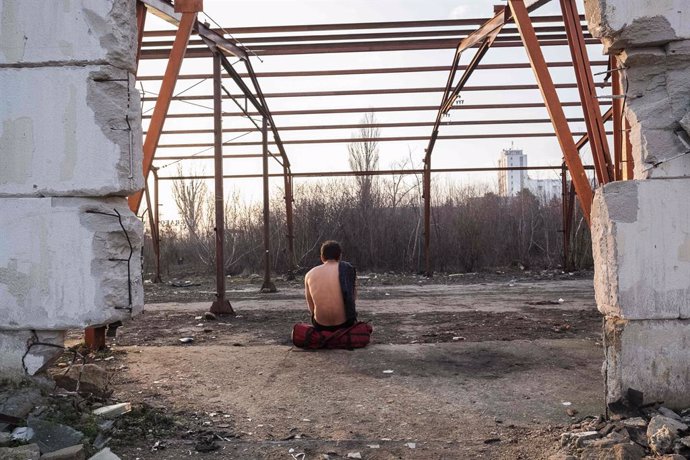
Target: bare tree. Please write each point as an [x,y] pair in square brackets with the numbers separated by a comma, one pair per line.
[363,156]
[190,199]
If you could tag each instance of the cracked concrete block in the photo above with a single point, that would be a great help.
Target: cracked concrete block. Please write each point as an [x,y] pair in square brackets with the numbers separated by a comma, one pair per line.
[68,262]
[21,354]
[641,248]
[649,356]
[627,23]
[69,131]
[37,32]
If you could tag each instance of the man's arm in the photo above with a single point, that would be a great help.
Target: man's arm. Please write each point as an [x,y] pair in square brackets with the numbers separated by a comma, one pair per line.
[307,294]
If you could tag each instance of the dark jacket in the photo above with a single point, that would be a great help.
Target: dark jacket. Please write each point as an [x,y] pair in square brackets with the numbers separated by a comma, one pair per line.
[348,277]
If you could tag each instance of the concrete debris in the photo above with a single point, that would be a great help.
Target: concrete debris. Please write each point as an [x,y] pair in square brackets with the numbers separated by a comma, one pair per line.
[87,378]
[411,445]
[20,402]
[52,436]
[112,411]
[22,434]
[105,454]
[666,412]
[26,452]
[187,339]
[5,438]
[633,438]
[208,316]
[15,362]
[354,455]
[68,453]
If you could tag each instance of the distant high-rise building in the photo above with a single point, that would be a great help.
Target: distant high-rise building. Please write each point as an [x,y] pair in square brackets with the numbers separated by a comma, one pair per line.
[511,182]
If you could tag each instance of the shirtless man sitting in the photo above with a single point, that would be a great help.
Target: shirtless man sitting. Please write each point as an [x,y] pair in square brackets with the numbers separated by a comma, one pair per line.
[327,299]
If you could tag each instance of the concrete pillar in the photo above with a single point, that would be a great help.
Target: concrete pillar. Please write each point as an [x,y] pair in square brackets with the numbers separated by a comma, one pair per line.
[70,152]
[641,228]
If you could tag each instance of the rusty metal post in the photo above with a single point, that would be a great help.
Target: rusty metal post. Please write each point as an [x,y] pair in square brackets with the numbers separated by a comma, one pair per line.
[220,305]
[156,225]
[426,195]
[617,118]
[564,205]
[588,94]
[553,106]
[287,178]
[94,338]
[629,161]
[268,285]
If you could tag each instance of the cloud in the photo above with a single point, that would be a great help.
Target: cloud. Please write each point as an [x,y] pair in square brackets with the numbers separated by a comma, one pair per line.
[459,12]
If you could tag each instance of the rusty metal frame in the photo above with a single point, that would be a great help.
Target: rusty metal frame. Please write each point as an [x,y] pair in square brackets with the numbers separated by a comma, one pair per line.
[588,94]
[553,105]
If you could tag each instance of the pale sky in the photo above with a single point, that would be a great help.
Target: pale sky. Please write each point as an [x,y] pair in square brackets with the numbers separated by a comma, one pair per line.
[333,157]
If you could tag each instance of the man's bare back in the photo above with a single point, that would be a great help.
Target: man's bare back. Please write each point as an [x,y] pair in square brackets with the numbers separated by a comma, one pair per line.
[324,295]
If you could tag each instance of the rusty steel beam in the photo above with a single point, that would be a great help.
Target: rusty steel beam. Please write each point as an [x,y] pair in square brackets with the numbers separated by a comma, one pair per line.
[413,108]
[617,92]
[164,97]
[454,33]
[359,26]
[411,124]
[372,139]
[553,105]
[379,172]
[374,91]
[300,40]
[362,47]
[157,221]
[221,305]
[267,285]
[289,200]
[629,171]
[379,70]
[588,94]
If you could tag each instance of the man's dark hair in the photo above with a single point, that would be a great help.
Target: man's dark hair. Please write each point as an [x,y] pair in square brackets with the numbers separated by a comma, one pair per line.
[330,250]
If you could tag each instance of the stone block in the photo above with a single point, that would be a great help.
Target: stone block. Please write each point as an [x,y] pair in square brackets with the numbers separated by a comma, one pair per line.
[627,23]
[36,32]
[69,131]
[641,249]
[649,356]
[64,262]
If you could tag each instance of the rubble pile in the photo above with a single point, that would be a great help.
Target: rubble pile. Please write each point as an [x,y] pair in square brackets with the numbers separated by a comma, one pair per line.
[650,432]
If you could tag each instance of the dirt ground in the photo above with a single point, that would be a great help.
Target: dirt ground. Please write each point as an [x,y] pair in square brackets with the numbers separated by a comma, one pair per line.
[461,367]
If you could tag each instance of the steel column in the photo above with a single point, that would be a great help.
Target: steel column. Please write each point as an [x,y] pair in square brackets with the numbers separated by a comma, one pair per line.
[553,105]
[287,178]
[629,161]
[617,119]
[156,221]
[220,305]
[268,285]
[426,195]
[164,97]
[588,94]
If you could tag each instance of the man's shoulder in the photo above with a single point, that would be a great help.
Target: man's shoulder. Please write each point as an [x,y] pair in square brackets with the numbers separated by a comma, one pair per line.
[312,271]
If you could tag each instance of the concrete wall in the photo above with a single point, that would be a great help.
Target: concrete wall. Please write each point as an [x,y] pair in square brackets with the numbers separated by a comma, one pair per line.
[69,130]
[40,32]
[70,150]
[641,228]
[64,275]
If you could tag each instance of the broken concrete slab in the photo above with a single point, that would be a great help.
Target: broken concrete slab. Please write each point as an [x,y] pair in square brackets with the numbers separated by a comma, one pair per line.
[66,262]
[641,258]
[26,452]
[21,356]
[84,139]
[113,411]
[50,436]
[68,453]
[20,402]
[627,23]
[649,356]
[104,454]
[35,32]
